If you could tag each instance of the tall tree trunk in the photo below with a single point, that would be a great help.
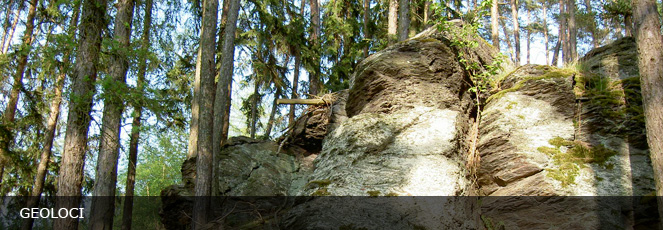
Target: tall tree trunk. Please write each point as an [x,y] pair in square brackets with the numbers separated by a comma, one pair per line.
[494,24]
[628,25]
[573,50]
[314,81]
[563,32]
[127,212]
[54,114]
[592,23]
[103,207]
[403,19]
[529,33]
[392,21]
[556,52]
[618,29]
[367,35]
[650,62]
[545,32]
[8,39]
[426,13]
[254,108]
[270,122]
[295,79]
[6,25]
[516,30]
[10,110]
[205,69]
[508,41]
[222,101]
[78,121]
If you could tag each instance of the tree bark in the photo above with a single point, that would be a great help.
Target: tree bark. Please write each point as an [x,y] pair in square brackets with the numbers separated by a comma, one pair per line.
[314,81]
[5,46]
[556,52]
[592,23]
[403,19]
[10,110]
[103,206]
[516,30]
[573,31]
[426,13]
[650,63]
[545,32]
[529,33]
[6,26]
[51,125]
[270,122]
[205,70]
[508,41]
[367,35]
[628,25]
[563,32]
[392,25]
[127,212]
[222,101]
[78,121]
[494,24]
[254,108]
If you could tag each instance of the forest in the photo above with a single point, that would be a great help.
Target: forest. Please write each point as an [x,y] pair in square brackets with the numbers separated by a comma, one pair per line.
[108,98]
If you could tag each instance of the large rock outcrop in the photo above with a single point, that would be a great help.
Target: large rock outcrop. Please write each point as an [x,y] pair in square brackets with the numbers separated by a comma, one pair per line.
[554,132]
[392,151]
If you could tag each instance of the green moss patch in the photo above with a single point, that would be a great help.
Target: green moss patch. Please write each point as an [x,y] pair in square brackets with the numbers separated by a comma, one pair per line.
[552,73]
[577,155]
[321,192]
[373,193]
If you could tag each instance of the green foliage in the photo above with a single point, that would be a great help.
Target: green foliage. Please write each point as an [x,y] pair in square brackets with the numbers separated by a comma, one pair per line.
[161,155]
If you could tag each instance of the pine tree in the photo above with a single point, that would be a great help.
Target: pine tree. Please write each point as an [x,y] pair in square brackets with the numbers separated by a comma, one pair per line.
[78,120]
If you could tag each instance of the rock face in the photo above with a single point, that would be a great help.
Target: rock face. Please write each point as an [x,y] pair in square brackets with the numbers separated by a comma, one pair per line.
[392,152]
[545,135]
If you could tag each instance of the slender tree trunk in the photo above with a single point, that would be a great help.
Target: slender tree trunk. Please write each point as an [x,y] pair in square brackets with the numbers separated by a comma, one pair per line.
[426,13]
[592,23]
[222,101]
[628,25]
[529,33]
[295,79]
[54,114]
[545,32]
[508,41]
[516,30]
[650,62]
[10,110]
[556,52]
[573,50]
[205,68]
[367,35]
[494,24]
[254,108]
[314,82]
[392,21]
[403,19]
[78,121]
[8,40]
[127,212]
[5,28]
[563,32]
[103,206]
[270,122]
